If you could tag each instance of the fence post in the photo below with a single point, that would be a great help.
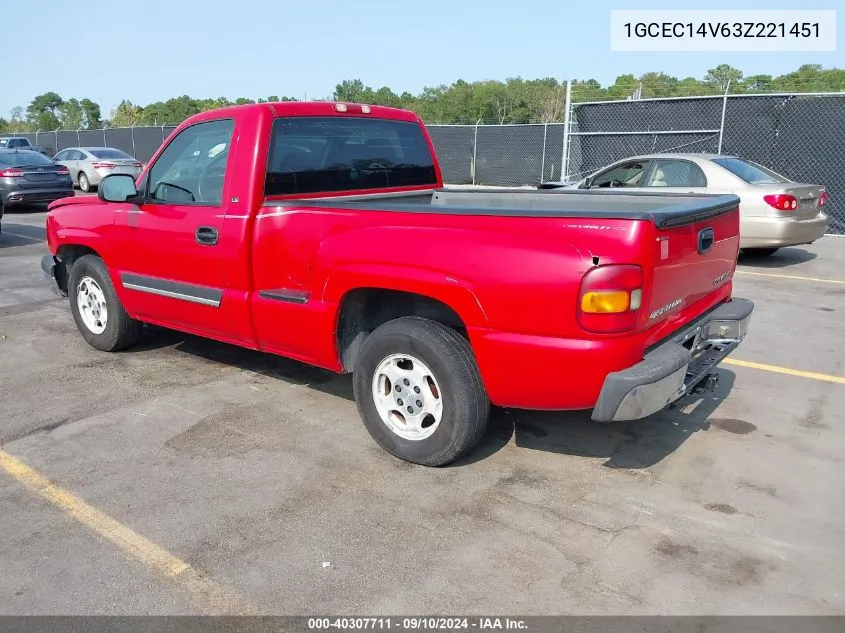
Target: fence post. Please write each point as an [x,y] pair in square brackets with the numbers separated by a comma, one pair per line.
[722,123]
[36,135]
[56,132]
[564,158]
[78,140]
[134,152]
[475,151]
[543,161]
[105,142]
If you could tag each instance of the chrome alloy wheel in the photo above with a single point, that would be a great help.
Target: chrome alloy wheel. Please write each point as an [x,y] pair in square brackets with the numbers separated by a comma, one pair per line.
[92,305]
[407,397]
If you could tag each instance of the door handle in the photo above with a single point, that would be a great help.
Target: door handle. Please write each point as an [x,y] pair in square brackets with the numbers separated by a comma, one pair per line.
[206,235]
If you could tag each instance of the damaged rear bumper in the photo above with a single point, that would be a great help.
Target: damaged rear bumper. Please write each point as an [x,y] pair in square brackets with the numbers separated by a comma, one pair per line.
[675,367]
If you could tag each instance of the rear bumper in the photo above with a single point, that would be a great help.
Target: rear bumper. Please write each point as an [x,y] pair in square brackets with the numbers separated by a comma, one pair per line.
[766,232]
[95,176]
[35,196]
[675,367]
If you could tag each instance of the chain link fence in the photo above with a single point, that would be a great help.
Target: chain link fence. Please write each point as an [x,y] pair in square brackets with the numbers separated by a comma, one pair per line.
[794,134]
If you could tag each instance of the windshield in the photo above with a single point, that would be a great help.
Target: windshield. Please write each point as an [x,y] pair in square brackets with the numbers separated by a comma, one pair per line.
[751,173]
[20,159]
[108,153]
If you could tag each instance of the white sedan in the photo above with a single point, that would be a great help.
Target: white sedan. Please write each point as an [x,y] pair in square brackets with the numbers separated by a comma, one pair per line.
[774,211]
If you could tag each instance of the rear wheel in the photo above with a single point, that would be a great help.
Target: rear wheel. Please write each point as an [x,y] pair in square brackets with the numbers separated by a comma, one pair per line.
[760,252]
[419,391]
[97,311]
[84,183]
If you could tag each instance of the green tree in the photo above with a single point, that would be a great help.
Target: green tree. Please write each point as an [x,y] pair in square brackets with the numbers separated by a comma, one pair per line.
[91,114]
[42,112]
[722,76]
[126,114]
[349,90]
[70,114]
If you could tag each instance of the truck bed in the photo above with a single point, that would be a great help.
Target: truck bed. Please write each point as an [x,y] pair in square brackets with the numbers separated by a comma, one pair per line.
[665,210]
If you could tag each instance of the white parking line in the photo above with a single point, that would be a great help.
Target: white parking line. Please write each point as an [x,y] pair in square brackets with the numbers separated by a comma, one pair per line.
[815,279]
[19,236]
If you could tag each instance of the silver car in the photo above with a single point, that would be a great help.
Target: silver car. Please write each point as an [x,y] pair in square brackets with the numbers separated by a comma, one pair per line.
[89,165]
[774,211]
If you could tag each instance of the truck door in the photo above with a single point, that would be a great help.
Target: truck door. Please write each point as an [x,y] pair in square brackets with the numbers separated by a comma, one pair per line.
[171,265]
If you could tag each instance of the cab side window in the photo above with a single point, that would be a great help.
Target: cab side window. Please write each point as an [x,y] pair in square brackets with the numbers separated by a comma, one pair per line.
[192,168]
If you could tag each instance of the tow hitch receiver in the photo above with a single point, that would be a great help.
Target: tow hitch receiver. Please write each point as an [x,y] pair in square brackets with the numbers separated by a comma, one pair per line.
[709,383]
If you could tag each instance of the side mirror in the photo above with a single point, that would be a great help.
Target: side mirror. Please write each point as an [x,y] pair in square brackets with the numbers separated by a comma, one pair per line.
[586,183]
[117,188]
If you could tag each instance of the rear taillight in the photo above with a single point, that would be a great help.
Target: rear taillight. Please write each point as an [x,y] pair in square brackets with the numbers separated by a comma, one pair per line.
[823,199]
[610,299]
[137,165]
[11,173]
[103,165]
[782,201]
[63,172]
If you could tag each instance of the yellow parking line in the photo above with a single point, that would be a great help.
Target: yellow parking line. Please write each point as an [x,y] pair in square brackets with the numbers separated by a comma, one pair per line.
[786,370]
[816,279]
[207,595]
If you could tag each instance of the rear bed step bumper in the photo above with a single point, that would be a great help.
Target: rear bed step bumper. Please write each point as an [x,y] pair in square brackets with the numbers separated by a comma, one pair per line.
[676,367]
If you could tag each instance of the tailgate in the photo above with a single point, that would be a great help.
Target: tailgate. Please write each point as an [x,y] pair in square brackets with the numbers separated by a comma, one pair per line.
[693,260]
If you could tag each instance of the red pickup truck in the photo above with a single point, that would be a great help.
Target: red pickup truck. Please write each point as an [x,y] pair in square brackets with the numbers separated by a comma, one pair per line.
[322,232]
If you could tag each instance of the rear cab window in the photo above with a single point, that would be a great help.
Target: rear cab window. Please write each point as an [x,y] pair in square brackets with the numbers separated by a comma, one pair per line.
[345,153]
[752,173]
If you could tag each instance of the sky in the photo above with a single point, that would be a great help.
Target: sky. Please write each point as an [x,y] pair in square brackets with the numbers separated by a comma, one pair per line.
[157,49]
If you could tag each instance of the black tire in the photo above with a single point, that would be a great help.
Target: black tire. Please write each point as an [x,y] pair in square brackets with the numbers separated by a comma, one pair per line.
[760,252]
[84,183]
[466,407]
[121,330]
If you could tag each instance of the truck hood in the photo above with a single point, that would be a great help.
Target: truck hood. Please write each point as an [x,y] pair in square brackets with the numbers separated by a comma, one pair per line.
[72,200]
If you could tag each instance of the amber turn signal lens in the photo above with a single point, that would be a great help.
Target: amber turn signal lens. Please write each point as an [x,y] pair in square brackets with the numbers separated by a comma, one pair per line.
[605,301]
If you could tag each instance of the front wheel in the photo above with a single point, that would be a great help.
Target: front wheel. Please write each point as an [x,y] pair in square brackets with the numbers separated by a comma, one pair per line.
[419,391]
[97,311]
[84,183]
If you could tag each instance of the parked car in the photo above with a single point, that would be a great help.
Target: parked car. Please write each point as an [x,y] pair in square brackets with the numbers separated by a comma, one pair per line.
[775,211]
[21,142]
[322,232]
[28,177]
[89,165]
